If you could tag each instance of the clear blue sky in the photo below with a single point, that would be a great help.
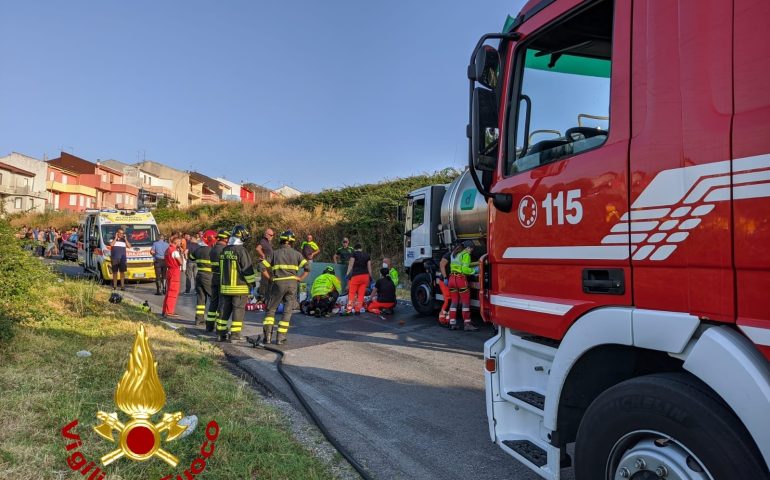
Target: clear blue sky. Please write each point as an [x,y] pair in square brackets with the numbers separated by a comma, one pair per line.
[314,94]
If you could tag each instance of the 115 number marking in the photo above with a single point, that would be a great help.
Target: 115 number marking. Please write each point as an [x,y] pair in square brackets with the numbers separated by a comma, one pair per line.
[568,207]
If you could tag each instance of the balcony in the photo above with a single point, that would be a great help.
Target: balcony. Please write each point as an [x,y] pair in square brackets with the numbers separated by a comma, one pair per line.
[69,188]
[123,188]
[27,191]
[210,198]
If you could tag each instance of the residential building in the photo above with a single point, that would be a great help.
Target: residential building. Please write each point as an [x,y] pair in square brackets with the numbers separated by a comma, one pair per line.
[37,185]
[180,185]
[231,191]
[65,191]
[211,189]
[287,192]
[152,188]
[17,191]
[111,191]
[251,192]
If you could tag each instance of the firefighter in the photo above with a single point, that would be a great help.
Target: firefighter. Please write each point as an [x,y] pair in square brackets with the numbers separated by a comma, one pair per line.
[282,268]
[236,279]
[459,267]
[223,236]
[202,258]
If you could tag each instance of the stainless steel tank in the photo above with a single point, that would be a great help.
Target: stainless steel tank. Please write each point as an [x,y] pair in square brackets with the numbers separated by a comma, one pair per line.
[463,212]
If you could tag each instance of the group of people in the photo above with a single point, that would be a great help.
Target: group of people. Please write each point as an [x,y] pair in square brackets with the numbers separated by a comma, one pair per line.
[47,240]
[226,276]
[454,269]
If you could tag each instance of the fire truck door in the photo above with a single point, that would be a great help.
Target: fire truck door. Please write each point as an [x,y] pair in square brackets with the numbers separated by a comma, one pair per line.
[556,254]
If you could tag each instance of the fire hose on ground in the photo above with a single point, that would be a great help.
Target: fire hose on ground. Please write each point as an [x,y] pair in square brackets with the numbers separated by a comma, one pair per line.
[256,342]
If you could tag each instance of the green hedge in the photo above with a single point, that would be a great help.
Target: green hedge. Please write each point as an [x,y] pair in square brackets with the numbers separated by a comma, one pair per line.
[23,283]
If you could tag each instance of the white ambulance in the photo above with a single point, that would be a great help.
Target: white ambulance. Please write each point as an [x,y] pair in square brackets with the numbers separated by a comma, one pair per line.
[99,228]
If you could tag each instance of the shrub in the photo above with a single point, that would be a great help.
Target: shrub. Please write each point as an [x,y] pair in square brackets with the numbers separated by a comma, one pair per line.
[23,283]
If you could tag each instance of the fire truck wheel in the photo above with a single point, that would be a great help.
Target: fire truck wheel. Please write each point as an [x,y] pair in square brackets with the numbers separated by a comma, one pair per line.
[668,426]
[423,299]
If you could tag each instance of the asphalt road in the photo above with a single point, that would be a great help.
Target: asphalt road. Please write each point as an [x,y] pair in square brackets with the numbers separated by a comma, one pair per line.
[406,399]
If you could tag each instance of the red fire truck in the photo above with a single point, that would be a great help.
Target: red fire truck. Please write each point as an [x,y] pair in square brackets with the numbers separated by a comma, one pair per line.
[624,150]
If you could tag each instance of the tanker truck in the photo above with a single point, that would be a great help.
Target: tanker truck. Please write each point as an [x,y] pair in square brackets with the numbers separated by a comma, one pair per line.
[437,216]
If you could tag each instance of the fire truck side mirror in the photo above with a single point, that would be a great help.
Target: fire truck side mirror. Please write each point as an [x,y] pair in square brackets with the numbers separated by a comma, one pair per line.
[486,68]
[484,132]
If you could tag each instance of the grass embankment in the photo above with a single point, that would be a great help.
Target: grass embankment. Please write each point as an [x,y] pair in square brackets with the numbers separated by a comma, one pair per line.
[44,386]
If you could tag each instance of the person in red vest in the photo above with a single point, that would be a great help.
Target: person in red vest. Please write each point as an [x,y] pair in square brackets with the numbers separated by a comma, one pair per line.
[174,261]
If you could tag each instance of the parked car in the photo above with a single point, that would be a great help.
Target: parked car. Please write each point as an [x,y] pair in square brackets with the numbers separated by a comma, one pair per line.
[69,248]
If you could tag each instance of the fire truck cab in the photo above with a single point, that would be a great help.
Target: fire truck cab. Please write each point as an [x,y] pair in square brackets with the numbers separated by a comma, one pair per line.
[624,151]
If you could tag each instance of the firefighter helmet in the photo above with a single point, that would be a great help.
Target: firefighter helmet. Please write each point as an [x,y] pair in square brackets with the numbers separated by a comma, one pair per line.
[240,232]
[209,237]
[223,234]
[288,236]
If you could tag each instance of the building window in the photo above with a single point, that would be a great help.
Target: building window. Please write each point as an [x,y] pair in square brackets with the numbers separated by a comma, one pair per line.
[104,177]
[82,201]
[73,200]
[1,178]
[17,203]
[51,176]
[118,198]
[64,179]
[31,203]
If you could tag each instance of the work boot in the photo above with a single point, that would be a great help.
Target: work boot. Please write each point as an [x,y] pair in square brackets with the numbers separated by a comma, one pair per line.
[199,321]
[267,332]
[235,336]
[469,327]
[281,339]
[222,337]
[454,326]
[209,326]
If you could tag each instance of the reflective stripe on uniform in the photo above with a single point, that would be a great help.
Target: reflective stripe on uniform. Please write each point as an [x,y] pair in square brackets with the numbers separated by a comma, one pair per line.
[266,263]
[234,289]
[286,267]
[212,316]
[283,327]
[285,278]
[269,321]
[236,326]
[250,278]
[221,324]
[302,263]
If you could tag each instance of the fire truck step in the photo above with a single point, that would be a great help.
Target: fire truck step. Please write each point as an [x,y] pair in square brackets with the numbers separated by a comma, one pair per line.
[534,454]
[535,399]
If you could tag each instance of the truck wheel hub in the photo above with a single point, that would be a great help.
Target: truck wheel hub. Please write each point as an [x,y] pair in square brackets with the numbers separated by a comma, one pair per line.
[647,455]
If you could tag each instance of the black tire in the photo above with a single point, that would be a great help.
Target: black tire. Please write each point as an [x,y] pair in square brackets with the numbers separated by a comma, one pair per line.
[676,405]
[423,298]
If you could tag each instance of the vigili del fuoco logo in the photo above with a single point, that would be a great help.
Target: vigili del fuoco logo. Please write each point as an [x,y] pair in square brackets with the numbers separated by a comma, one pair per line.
[139,395]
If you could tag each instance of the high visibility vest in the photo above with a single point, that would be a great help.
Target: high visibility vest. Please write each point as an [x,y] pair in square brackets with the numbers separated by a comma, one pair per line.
[461,263]
[325,283]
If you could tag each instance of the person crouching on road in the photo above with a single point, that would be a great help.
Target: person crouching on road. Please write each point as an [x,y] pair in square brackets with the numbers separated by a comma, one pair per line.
[359,273]
[119,258]
[325,291]
[460,267]
[383,295]
[285,264]
[174,261]
[236,279]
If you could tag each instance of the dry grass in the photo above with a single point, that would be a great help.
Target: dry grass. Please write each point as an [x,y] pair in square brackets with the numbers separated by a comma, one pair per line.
[45,385]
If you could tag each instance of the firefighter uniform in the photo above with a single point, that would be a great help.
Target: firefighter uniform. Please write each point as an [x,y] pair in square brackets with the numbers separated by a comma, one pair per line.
[285,264]
[236,279]
[215,306]
[202,258]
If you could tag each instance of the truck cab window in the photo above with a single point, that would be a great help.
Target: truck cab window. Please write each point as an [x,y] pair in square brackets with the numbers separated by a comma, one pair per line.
[562,104]
[418,212]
